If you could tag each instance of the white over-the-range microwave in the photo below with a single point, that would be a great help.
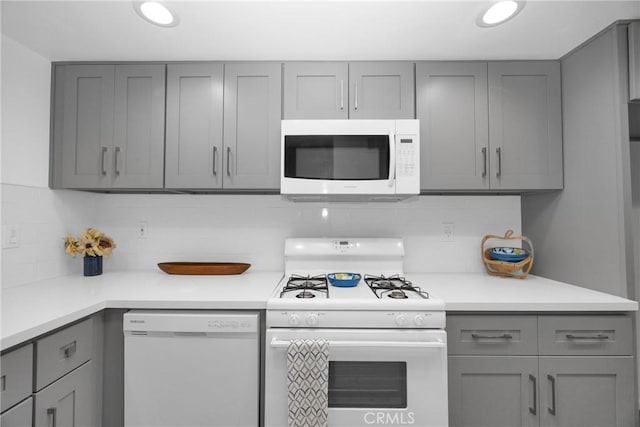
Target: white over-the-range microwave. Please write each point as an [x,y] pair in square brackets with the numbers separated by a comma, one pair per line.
[345,160]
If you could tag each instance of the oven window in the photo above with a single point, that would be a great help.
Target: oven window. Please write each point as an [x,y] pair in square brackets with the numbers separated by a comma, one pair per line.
[367,384]
[337,157]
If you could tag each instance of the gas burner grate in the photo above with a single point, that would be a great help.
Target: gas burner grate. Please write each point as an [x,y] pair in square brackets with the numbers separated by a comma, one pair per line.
[392,287]
[305,284]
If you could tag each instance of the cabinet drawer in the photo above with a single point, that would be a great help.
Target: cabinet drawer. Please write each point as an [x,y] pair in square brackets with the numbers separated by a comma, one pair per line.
[19,416]
[16,379]
[496,335]
[585,335]
[63,351]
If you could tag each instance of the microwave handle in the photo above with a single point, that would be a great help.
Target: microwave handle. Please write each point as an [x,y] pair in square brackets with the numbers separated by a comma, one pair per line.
[392,159]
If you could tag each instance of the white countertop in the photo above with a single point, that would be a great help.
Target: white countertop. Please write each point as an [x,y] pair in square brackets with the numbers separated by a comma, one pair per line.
[31,310]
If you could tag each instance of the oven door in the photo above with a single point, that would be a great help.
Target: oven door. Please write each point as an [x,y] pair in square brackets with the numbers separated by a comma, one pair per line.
[381,377]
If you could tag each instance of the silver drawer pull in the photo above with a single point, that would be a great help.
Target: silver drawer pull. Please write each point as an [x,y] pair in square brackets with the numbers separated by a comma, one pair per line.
[600,337]
[68,350]
[504,336]
[51,414]
[3,383]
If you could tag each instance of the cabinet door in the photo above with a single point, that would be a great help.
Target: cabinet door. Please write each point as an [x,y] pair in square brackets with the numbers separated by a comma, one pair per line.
[67,402]
[587,391]
[634,61]
[138,147]
[194,126]
[381,90]
[87,136]
[493,391]
[452,107]
[20,415]
[316,90]
[252,105]
[525,125]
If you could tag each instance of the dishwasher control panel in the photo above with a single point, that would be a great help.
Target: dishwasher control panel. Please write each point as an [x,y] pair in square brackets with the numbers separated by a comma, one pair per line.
[143,322]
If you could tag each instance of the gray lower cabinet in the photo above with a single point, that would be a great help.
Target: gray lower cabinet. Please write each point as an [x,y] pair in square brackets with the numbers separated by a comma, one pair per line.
[108,126]
[194,152]
[16,382]
[354,90]
[548,371]
[67,402]
[490,126]
[493,391]
[252,114]
[525,125]
[634,60]
[20,415]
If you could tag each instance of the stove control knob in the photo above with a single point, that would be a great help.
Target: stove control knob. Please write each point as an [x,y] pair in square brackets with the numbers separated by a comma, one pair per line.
[294,319]
[419,320]
[401,320]
[312,319]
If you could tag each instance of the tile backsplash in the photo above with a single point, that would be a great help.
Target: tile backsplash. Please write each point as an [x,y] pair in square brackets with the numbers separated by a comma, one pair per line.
[242,228]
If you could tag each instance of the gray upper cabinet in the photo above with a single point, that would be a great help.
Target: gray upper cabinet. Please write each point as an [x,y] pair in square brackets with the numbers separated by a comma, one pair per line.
[318,90]
[634,61]
[87,125]
[251,141]
[381,90]
[109,126]
[194,126]
[525,125]
[454,137]
[494,126]
[355,90]
[138,133]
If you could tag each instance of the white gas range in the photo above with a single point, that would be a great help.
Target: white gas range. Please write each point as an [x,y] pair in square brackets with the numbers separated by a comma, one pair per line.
[385,335]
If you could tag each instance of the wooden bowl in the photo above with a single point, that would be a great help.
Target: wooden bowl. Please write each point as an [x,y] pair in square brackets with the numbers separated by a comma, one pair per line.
[204,268]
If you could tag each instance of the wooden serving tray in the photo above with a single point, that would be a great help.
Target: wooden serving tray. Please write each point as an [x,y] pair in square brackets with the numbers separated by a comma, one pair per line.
[204,268]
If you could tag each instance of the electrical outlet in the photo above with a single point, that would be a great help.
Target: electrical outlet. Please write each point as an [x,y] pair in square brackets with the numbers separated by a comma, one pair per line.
[448,232]
[11,236]
[143,230]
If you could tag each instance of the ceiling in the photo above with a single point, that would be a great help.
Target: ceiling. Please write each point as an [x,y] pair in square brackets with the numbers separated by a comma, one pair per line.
[306,30]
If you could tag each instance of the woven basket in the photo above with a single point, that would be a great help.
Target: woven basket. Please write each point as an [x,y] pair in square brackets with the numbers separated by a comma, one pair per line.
[495,267]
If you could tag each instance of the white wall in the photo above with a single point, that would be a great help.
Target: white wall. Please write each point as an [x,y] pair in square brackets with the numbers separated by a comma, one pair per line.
[26,86]
[246,228]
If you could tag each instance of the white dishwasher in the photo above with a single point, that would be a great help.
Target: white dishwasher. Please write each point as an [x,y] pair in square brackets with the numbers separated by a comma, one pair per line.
[191,368]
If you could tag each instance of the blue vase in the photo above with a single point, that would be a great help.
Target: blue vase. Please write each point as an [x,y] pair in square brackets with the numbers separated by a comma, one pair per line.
[92,265]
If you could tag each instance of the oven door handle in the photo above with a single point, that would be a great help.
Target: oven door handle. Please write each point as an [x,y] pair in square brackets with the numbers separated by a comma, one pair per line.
[276,343]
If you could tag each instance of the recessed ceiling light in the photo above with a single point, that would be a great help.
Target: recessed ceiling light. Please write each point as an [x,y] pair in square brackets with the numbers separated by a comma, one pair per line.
[156,13]
[500,12]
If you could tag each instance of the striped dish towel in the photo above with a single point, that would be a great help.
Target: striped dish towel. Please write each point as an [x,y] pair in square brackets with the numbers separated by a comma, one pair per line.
[308,382]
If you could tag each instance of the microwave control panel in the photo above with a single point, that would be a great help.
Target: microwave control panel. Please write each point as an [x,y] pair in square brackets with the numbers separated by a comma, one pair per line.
[407,156]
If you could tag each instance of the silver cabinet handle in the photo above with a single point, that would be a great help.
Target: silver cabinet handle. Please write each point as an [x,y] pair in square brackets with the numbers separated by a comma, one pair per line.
[342,94]
[228,161]
[355,105]
[104,155]
[600,337]
[215,160]
[51,415]
[117,155]
[499,153]
[533,410]
[504,336]
[68,350]
[552,408]
[484,162]
[3,383]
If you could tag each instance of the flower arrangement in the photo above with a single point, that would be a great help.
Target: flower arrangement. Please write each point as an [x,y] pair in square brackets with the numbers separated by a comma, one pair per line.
[91,242]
